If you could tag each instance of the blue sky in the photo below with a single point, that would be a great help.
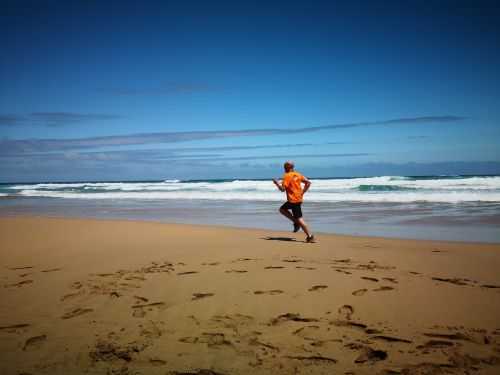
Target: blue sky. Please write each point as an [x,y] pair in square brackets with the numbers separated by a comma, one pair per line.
[127,90]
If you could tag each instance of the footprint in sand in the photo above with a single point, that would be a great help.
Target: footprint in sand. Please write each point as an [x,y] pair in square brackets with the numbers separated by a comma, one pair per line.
[391,339]
[142,299]
[343,271]
[157,362]
[186,273]
[140,311]
[76,312]
[292,260]
[34,342]
[449,336]
[456,281]
[383,288]
[435,344]
[108,351]
[134,277]
[129,285]
[272,292]
[202,371]
[317,287]
[290,317]
[77,285]
[51,270]
[346,311]
[348,260]
[72,295]
[369,278]
[245,260]
[104,274]
[348,324]
[234,322]
[390,279]
[307,331]
[312,359]
[189,340]
[151,330]
[264,346]
[439,251]
[15,328]
[155,267]
[20,268]
[194,319]
[19,284]
[370,355]
[197,296]
[359,292]
[214,339]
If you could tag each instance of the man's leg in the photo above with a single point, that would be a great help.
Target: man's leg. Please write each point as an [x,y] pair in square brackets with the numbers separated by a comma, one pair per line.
[287,214]
[304,226]
[297,214]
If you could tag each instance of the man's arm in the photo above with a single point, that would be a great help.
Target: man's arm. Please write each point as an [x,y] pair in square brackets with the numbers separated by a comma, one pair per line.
[278,185]
[307,184]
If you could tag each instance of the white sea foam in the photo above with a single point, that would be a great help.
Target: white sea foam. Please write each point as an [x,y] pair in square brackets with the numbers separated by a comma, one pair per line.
[46,186]
[370,189]
[453,197]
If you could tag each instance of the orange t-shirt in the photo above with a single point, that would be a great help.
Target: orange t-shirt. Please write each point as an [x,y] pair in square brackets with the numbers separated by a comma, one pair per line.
[292,182]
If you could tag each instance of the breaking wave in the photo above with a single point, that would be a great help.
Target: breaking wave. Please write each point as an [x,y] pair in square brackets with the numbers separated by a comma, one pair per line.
[401,189]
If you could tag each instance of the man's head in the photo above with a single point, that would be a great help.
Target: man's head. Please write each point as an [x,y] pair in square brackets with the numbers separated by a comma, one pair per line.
[288,166]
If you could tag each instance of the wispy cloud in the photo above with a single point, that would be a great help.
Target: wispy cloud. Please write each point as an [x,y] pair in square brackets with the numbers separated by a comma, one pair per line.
[54,118]
[166,152]
[253,147]
[398,121]
[151,155]
[45,145]
[10,120]
[296,156]
[223,158]
[72,158]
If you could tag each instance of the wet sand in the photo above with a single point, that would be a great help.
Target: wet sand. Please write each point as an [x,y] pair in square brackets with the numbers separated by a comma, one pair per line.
[119,297]
[478,222]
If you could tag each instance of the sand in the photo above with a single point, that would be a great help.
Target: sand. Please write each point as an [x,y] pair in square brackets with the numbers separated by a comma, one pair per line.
[120,297]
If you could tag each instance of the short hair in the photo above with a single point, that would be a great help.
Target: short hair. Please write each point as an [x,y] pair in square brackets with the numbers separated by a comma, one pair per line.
[288,164]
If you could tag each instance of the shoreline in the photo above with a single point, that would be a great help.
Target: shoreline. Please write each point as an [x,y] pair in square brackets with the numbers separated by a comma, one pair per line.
[450,208]
[229,227]
[390,221]
[133,297]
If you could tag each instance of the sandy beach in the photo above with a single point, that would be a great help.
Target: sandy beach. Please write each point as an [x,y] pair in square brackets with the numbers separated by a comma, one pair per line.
[83,296]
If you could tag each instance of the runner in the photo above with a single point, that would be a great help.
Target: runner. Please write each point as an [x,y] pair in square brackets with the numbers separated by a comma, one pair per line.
[292,183]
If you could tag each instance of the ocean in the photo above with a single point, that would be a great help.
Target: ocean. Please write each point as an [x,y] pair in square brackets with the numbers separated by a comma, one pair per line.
[461,208]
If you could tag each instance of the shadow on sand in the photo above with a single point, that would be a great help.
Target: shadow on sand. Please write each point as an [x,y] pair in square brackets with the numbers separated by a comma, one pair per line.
[286,239]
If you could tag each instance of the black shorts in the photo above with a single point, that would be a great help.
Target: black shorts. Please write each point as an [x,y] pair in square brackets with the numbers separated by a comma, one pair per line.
[295,207]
